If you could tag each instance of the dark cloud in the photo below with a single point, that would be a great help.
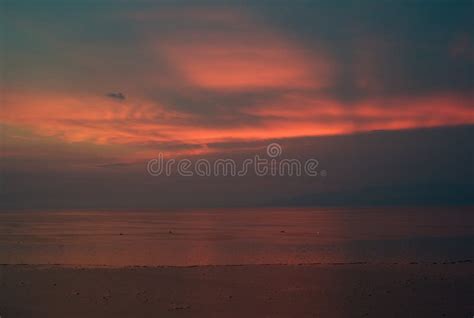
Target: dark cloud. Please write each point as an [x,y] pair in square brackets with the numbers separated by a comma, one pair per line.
[117,96]
[393,167]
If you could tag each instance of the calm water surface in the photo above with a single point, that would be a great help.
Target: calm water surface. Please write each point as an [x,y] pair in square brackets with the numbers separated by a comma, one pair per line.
[236,236]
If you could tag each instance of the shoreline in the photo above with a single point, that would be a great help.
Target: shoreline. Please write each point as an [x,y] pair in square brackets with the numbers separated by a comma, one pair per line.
[105,266]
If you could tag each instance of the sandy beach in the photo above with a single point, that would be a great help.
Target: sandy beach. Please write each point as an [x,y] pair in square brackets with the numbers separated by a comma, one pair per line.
[298,263]
[317,290]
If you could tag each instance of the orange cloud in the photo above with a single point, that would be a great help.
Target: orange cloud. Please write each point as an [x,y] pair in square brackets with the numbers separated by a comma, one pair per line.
[142,128]
[94,119]
[234,51]
[237,65]
[100,120]
[307,116]
[222,51]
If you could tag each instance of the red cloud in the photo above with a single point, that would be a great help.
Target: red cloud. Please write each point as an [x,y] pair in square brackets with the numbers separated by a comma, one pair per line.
[102,121]
[222,50]
[236,64]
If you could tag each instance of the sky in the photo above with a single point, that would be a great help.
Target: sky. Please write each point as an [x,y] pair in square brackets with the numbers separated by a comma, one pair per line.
[380,92]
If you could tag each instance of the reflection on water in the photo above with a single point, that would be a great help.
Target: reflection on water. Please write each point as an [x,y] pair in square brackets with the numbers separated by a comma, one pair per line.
[236,236]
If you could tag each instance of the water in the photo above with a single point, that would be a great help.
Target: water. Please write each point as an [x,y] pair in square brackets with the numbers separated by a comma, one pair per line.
[236,236]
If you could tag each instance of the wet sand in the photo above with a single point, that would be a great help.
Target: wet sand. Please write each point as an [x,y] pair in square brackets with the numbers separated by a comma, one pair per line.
[317,290]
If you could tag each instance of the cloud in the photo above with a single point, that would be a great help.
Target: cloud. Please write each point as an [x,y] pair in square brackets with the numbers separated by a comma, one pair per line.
[249,64]
[363,168]
[234,50]
[197,76]
[222,80]
[309,115]
[118,96]
[145,126]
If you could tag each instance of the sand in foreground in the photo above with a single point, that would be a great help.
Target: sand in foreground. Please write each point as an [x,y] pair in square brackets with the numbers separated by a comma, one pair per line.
[357,290]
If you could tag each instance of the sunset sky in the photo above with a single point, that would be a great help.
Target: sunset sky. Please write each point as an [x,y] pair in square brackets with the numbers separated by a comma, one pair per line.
[380,92]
